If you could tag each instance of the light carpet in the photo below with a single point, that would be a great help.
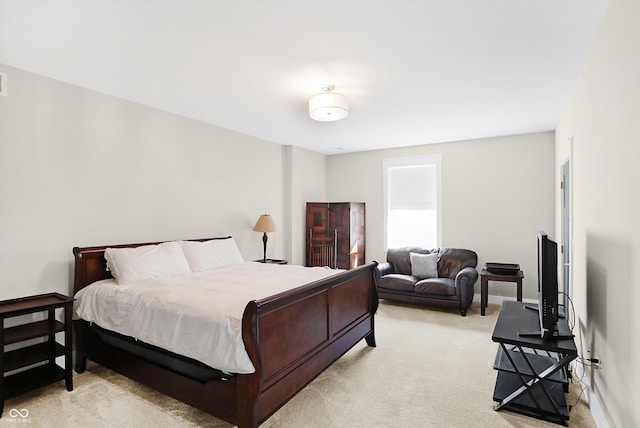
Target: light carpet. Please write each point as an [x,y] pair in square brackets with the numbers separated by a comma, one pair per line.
[431,368]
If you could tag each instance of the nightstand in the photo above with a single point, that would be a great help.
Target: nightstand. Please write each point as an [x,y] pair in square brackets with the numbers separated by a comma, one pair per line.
[29,355]
[273,261]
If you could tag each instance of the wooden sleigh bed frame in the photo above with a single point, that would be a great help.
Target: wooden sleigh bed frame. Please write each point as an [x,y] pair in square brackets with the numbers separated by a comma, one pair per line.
[290,337]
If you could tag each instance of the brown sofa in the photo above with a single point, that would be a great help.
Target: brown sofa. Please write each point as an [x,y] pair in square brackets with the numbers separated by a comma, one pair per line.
[451,286]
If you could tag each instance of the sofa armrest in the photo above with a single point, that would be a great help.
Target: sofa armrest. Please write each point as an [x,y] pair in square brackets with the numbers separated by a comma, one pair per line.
[465,280]
[381,270]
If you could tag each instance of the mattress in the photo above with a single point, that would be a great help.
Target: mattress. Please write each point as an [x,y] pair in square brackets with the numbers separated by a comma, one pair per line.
[198,315]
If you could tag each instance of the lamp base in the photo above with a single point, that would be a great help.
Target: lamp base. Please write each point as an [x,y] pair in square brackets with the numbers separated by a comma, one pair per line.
[264,240]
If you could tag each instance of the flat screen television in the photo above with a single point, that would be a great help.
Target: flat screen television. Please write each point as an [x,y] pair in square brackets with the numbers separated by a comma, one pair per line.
[547,307]
[547,286]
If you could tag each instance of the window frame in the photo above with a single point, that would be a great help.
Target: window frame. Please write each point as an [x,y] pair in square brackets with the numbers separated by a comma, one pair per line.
[414,161]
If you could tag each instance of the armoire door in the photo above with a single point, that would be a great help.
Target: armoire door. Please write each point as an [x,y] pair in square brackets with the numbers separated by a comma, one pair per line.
[318,218]
[339,220]
[321,238]
[357,234]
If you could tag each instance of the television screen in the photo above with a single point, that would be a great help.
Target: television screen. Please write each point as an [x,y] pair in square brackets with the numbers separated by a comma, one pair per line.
[547,284]
[547,293]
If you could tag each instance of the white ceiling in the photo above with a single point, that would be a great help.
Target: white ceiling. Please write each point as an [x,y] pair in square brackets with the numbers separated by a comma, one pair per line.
[415,72]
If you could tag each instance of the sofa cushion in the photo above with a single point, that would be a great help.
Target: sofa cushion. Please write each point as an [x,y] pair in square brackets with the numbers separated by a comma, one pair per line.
[398,282]
[437,286]
[400,259]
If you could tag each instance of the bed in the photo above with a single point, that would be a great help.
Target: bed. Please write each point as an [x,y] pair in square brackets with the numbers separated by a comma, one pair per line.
[316,323]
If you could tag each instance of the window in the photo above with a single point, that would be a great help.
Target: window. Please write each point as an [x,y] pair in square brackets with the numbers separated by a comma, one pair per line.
[412,203]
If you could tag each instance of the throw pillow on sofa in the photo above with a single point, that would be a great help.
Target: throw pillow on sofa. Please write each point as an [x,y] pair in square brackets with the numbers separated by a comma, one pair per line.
[424,265]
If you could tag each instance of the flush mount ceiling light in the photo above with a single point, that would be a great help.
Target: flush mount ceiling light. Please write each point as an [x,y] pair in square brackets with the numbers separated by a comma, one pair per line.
[328,106]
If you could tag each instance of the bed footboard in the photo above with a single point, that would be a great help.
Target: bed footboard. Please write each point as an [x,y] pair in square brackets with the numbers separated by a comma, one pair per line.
[294,336]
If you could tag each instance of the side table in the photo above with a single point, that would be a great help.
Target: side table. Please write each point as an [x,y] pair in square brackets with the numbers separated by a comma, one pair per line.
[486,276]
[45,352]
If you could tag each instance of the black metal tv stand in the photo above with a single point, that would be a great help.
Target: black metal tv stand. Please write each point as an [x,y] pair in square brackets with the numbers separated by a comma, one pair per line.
[533,373]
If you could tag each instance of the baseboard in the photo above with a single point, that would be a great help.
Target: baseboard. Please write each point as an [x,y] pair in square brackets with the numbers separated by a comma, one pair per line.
[594,404]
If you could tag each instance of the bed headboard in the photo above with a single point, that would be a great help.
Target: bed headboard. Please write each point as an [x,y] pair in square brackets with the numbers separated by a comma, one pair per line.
[91,266]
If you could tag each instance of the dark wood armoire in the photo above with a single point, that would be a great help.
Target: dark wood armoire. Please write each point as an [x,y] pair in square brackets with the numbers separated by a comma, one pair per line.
[335,234]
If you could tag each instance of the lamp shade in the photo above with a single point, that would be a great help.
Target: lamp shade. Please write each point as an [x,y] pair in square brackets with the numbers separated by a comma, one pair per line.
[328,106]
[265,224]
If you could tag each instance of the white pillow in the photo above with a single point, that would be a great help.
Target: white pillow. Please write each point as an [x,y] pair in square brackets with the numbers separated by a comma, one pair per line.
[128,265]
[424,265]
[212,254]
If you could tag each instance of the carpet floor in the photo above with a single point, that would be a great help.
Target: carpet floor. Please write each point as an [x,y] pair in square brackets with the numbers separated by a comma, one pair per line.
[431,368]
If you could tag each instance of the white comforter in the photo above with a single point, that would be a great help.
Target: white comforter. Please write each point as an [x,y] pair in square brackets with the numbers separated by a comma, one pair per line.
[197,315]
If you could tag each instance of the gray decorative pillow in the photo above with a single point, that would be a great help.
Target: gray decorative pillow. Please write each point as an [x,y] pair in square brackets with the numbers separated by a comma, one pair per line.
[424,265]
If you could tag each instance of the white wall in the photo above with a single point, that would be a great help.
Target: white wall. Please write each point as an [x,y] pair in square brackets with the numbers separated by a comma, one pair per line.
[496,194]
[308,184]
[82,168]
[602,121]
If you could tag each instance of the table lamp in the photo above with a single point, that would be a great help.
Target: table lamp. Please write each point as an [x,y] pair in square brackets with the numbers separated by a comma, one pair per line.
[265,224]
